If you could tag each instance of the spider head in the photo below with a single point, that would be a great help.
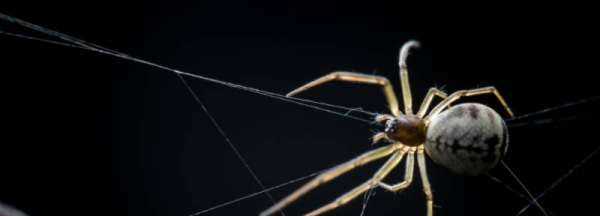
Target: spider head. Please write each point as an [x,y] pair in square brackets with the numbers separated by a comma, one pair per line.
[406,129]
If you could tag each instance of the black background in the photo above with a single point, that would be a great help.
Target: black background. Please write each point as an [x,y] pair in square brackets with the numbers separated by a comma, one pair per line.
[86,134]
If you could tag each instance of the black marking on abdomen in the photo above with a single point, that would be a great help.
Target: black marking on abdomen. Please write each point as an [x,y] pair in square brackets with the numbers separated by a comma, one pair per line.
[491,142]
[491,116]
[455,146]
[473,111]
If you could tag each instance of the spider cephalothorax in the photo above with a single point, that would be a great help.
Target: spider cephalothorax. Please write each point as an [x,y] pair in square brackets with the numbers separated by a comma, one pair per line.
[407,129]
[468,138]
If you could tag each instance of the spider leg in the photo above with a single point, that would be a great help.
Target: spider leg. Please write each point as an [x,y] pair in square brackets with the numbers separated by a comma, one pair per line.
[331,174]
[428,99]
[371,183]
[406,94]
[467,93]
[408,175]
[388,90]
[425,179]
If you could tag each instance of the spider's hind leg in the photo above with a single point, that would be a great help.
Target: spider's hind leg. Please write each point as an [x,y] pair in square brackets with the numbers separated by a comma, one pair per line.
[404,81]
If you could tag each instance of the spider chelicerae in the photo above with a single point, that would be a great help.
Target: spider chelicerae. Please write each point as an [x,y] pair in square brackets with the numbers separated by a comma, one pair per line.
[468,138]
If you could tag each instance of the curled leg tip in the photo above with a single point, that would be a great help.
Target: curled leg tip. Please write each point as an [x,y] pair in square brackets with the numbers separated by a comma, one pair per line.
[412,43]
[405,50]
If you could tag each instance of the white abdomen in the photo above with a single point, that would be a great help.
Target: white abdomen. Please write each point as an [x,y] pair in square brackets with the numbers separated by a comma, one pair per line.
[468,139]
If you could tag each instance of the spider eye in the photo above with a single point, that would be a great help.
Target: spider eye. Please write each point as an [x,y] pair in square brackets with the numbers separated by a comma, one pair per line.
[390,126]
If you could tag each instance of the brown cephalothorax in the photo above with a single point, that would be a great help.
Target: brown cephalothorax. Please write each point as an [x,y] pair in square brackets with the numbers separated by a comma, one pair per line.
[407,129]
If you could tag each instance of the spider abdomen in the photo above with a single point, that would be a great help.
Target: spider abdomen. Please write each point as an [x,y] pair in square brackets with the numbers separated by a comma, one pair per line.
[468,139]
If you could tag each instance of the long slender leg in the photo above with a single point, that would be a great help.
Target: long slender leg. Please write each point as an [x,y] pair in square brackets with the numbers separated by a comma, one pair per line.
[428,99]
[406,94]
[371,183]
[331,174]
[388,90]
[425,179]
[467,93]
[408,175]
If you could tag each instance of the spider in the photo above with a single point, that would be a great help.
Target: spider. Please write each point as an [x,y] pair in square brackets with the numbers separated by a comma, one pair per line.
[468,138]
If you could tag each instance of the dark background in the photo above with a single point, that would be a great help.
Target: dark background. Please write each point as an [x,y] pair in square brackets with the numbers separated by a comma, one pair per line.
[86,134]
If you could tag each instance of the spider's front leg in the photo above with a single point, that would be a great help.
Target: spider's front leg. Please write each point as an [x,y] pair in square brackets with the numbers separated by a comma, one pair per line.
[388,90]
[406,93]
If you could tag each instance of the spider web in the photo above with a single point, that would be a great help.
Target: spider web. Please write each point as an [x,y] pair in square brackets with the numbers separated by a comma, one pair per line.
[341,111]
